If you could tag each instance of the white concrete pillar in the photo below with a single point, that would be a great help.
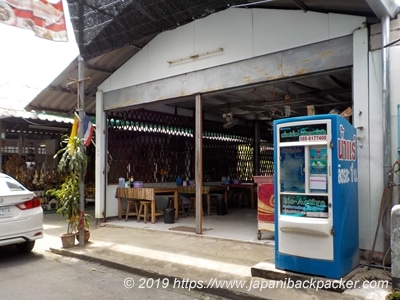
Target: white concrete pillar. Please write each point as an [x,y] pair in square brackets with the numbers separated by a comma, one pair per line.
[101,158]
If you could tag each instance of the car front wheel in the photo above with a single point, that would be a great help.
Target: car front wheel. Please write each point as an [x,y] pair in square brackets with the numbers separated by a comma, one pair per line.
[25,247]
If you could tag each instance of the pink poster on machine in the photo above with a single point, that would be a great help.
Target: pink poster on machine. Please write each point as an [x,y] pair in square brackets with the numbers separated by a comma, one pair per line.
[265,204]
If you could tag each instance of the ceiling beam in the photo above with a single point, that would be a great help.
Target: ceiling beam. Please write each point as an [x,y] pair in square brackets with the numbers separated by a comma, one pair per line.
[95,68]
[278,100]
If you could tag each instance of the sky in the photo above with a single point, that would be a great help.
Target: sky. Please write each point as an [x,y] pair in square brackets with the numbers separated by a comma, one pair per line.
[29,63]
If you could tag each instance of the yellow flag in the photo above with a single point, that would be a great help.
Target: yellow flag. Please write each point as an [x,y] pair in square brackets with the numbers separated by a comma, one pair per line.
[74,133]
[74,130]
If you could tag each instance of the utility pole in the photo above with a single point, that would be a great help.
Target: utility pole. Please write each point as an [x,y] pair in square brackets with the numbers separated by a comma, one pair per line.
[81,109]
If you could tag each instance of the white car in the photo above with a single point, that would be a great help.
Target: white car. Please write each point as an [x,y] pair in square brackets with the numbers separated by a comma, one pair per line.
[21,215]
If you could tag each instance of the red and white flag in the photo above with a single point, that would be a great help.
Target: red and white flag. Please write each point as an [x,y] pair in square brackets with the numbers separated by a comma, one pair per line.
[45,18]
[88,130]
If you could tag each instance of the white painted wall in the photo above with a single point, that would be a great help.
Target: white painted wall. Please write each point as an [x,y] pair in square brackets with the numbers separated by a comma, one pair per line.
[112,202]
[375,188]
[242,33]
[375,144]
[361,120]
[371,179]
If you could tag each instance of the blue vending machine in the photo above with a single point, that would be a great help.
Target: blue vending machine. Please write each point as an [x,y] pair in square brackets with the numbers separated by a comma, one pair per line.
[316,197]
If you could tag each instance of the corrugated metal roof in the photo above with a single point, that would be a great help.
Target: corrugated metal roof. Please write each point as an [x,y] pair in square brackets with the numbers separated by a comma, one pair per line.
[36,125]
[61,97]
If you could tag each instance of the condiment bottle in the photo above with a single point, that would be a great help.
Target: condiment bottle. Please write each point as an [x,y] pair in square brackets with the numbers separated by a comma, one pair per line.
[131,181]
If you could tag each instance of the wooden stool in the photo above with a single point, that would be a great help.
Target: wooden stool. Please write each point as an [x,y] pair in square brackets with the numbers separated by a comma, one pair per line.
[192,206]
[213,203]
[242,197]
[181,208]
[144,211]
[129,205]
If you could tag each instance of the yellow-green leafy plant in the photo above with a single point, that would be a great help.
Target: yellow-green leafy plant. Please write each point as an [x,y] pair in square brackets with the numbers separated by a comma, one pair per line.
[395,295]
[72,164]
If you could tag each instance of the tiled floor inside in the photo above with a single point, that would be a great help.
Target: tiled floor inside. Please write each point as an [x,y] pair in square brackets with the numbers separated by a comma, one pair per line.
[238,224]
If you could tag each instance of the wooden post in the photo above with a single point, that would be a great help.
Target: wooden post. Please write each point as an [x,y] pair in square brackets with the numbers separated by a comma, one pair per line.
[198,146]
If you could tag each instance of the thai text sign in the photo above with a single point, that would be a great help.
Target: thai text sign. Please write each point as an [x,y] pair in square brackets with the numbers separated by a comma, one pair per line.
[304,206]
[304,133]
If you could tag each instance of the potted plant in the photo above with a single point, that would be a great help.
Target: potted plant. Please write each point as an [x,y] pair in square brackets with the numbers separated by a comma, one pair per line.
[86,225]
[394,295]
[73,163]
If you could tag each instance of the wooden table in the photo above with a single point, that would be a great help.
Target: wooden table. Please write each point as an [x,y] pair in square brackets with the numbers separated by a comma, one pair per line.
[206,190]
[146,194]
[251,186]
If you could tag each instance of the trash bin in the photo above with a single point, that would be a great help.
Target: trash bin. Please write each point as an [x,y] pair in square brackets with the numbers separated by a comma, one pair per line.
[221,207]
[169,215]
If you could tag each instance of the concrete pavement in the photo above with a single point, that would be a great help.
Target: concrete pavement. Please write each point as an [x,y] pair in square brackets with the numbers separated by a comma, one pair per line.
[231,269]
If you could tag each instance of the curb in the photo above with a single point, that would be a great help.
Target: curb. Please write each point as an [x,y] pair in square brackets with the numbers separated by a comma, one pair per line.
[223,292]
